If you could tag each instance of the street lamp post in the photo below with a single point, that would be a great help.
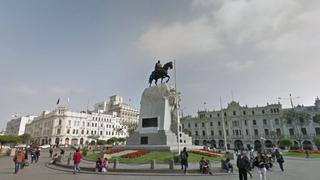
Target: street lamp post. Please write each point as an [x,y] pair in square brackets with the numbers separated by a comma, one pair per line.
[177,106]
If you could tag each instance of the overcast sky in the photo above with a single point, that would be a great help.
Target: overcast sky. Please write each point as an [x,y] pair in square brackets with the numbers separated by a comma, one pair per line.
[90,50]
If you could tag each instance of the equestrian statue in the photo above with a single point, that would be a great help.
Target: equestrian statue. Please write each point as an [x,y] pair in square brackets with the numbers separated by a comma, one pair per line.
[160,72]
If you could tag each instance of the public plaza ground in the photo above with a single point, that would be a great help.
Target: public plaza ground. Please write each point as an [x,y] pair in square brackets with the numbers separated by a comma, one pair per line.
[296,169]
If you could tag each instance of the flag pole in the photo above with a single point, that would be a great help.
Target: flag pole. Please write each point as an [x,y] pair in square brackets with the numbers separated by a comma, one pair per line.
[177,106]
[223,125]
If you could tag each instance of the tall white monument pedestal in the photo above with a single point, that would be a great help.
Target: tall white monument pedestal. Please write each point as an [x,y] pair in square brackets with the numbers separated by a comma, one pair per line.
[158,121]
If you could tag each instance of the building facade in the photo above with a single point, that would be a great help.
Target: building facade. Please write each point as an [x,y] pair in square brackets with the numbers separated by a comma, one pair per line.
[127,114]
[16,126]
[249,126]
[62,126]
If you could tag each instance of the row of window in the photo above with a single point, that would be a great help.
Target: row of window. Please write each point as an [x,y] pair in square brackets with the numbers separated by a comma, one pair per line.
[235,123]
[77,123]
[303,131]
[238,132]
[101,119]
[93,132]
[234,113]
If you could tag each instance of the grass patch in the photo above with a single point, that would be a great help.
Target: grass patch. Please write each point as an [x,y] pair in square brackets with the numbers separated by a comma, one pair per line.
[301,154]
[91,156]
[194,158]
[159,156]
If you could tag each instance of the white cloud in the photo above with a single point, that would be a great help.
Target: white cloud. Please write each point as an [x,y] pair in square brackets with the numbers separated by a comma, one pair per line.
[226,26]
[262,48]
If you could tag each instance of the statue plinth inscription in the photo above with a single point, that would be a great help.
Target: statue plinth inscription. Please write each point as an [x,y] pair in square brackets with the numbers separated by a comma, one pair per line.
[158,120]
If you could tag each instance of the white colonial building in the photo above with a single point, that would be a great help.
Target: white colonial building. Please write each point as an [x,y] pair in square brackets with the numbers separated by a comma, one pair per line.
[251,126]
[127,114]
[62,126]
[16,126]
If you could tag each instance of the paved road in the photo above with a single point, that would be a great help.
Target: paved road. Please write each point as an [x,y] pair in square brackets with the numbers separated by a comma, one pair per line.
[296,169]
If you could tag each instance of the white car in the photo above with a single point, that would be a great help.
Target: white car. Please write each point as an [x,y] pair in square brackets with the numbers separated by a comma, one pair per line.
[45,146]
[22,146]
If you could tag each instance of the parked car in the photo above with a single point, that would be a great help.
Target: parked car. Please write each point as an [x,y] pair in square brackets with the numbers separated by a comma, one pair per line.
[22,146]
[45,146]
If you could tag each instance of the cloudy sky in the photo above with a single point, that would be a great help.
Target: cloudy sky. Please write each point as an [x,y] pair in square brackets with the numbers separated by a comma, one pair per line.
[90,50]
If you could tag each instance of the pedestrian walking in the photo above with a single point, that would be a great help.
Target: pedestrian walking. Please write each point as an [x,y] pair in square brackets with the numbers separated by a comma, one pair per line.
[37,153]
[33,155]
[76,161]
[18,160]
[184,159]
[280,159]
[50,152]
[243,165]
[260,165]
[307,153]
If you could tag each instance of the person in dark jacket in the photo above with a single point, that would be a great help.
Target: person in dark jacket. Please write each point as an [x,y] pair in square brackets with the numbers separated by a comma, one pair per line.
[280,159]
[243,165]
[37,153]
[184,159]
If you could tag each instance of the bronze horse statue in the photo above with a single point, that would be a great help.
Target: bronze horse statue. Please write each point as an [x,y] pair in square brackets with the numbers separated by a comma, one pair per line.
[163,73]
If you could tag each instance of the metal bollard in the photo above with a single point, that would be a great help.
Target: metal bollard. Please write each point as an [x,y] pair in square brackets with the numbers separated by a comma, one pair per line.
[171,164]
[152,165]
[115,164]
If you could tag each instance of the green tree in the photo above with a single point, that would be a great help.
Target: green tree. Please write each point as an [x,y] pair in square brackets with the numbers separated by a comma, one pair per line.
[316,118]
[132,127]
[316,140]
[25,138]
[101,142]
[121,140]
[112,140]
[285,143]
[9,139]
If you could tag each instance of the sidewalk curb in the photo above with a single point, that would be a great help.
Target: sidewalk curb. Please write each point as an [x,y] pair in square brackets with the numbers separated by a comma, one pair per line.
[137,173]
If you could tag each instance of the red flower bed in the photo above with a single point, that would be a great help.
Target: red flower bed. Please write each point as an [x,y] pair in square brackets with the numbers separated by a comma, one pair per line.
[205,153]
[302,151]
[208,150]
[134,154]
[115,151]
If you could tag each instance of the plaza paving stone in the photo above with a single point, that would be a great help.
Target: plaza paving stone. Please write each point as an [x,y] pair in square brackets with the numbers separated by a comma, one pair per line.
[296,169]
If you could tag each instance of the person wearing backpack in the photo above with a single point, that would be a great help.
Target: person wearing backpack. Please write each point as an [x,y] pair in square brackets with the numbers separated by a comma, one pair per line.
[184,159]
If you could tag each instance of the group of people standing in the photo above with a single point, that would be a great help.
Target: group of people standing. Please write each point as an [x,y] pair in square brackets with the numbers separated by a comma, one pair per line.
[102,165]
[261,163]
[21,156]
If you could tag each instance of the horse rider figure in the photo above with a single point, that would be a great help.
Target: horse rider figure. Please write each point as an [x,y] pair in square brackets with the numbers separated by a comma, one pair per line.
[158,68]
